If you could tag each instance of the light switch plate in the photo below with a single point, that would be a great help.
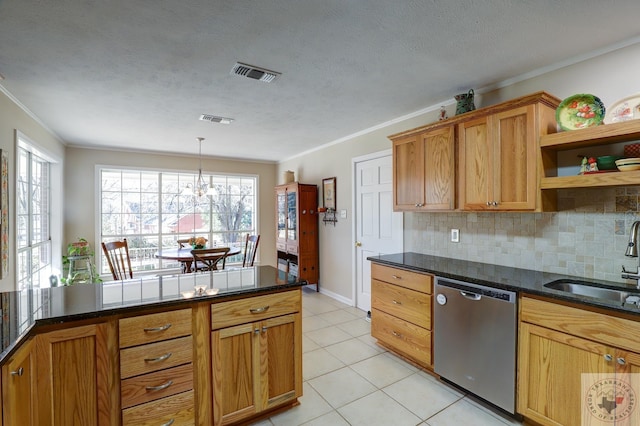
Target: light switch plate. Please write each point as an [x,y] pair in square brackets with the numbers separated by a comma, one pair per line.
[343,214]
[455,235]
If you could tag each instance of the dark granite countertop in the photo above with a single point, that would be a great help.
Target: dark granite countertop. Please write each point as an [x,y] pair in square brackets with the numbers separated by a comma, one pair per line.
[22,312]
[504,277]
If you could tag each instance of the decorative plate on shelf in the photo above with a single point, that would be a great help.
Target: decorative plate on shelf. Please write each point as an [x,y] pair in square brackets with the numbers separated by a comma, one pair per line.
[623,110]
[579,112]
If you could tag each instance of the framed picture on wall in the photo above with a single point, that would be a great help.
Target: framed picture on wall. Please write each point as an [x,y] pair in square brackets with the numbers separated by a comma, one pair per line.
[329,193]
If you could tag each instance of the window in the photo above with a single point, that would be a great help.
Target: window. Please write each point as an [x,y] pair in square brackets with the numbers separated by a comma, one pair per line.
[33,234]
[148,209]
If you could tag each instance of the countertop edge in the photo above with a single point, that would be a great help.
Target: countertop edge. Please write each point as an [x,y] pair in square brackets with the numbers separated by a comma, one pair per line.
[535,286]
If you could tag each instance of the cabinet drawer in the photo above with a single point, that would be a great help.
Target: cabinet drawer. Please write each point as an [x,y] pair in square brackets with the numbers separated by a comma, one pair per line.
[154,327]
[255,308]
[409,305]
[155,356]
[407,338]
[606,329]
[152,386]
[408,279]
[177,408]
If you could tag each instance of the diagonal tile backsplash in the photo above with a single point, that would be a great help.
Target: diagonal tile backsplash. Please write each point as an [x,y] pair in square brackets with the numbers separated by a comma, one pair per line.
[587,237]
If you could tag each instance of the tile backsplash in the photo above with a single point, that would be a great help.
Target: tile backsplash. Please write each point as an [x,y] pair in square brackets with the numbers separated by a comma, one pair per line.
[586,237]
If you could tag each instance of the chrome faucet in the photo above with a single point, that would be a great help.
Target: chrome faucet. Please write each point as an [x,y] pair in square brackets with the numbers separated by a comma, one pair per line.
[632,251]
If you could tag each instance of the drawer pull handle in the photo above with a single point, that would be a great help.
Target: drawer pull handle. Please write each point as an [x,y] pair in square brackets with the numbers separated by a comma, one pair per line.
[259,310]
[169,423]
[160,358]
[608,357]
[395,333]
[395,302]
[18,372]
[156,329]
[621,361]
[395,277]
[160,387]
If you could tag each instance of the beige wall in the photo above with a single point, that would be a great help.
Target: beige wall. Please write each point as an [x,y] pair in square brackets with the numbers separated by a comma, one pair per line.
[13,118]
[552,242]
[81,197]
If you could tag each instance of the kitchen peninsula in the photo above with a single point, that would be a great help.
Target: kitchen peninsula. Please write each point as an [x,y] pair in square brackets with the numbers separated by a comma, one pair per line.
[214,348]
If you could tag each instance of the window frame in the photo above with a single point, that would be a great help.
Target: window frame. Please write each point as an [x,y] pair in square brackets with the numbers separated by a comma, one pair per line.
[54,215]
[163,266]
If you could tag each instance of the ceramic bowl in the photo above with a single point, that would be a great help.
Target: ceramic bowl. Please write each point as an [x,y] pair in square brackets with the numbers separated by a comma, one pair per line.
[626,161]
[607,162]
[629,167]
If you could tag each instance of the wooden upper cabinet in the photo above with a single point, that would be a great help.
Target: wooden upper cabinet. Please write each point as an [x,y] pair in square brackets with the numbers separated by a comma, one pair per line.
[424,170]
[498,161]
[487,159]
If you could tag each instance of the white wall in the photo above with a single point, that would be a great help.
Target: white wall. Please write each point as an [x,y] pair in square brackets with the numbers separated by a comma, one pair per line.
[611,76]
[13,118]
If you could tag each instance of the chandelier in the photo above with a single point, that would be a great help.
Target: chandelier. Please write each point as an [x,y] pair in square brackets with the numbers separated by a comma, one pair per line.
[201,188]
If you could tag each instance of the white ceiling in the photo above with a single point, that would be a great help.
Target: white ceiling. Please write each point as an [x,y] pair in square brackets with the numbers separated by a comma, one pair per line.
[137,74]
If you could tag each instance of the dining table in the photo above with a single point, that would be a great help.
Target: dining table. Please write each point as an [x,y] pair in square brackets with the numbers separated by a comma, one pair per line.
[184,256]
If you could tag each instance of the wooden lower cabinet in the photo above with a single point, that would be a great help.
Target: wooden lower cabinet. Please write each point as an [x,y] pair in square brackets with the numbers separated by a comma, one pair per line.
[558,346]
[401,312]
[176,410]
[18,387]
[257,366]
[77,376]
[157,370]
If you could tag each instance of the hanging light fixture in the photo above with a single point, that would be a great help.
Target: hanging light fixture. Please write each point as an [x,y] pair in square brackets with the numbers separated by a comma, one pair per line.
[201,188]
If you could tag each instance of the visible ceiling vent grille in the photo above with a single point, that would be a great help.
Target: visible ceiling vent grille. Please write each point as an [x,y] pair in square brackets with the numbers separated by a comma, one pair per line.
[216,119]
[255,73]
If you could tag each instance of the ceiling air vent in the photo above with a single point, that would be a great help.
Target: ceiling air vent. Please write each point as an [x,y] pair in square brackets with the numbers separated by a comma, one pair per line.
[215,119]
[255,73]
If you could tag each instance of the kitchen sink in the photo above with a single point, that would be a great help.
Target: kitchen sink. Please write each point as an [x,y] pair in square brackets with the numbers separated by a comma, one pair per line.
[581,288]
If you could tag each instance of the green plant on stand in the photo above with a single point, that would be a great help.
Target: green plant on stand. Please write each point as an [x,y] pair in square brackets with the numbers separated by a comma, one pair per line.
[77,264]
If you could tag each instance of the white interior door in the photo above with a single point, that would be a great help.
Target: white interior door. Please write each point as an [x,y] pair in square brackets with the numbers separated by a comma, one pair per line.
[378,227]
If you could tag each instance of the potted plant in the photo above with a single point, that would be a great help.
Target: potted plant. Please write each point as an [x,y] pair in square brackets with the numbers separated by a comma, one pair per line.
[79,251]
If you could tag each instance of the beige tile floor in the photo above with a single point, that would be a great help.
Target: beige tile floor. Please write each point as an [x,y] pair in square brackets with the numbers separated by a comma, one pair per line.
[350,380]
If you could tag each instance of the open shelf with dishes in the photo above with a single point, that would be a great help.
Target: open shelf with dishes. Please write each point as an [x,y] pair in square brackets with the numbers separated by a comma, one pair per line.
[552,144]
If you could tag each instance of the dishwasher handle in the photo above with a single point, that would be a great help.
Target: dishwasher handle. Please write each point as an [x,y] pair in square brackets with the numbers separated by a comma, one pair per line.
[470,296]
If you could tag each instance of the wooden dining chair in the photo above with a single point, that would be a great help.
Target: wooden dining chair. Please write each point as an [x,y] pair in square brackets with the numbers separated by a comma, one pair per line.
[250,248]
[209,258]
[117,253]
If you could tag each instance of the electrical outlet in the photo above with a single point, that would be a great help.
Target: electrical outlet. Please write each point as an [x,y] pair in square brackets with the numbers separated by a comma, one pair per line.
[343,214]
[455,235]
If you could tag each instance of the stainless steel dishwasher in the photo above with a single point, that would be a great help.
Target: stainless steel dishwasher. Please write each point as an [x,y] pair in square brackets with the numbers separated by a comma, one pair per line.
[474,344]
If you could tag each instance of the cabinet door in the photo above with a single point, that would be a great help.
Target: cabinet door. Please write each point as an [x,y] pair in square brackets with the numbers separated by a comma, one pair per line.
[18,381]
[292,216]
[408,184]
[78,376]
[514,159]
[281,215]
[235,352]
[550,368]
[476,168]
[439,169]
[281,360]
